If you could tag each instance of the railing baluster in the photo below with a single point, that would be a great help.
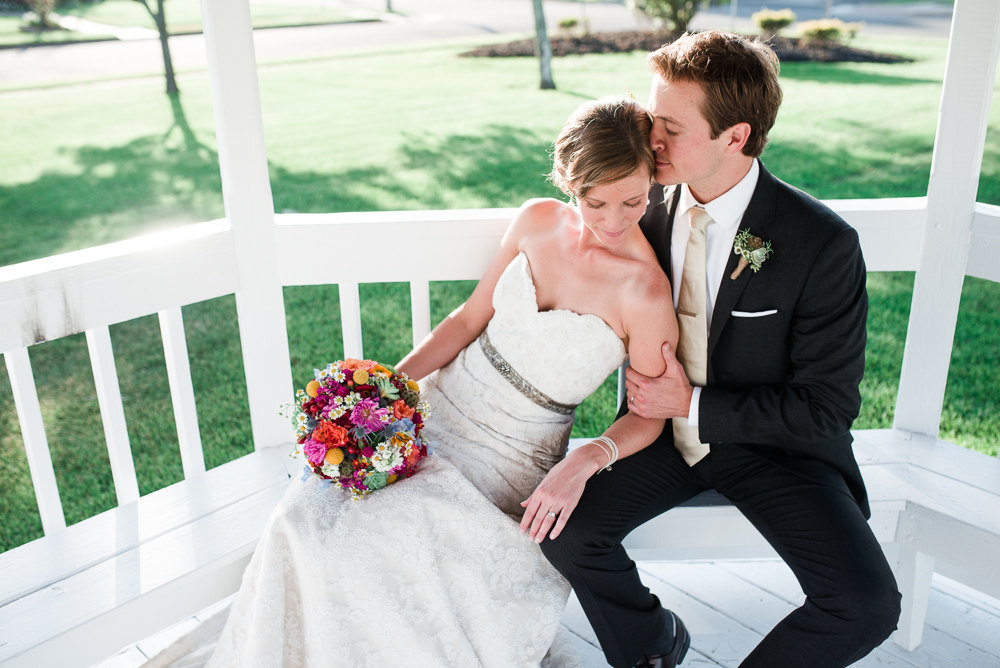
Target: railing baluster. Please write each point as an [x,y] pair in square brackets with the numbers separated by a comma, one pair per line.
[182,391]
[109,397]
[350,319]
[420,309]
[36,445]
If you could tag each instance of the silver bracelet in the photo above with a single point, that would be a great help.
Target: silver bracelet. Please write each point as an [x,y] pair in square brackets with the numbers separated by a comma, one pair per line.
[611,451]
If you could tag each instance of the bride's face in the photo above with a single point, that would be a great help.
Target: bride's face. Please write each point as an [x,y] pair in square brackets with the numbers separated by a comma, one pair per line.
[612,211]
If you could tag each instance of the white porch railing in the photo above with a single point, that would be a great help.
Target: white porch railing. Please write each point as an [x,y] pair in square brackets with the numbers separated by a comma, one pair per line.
[254,253]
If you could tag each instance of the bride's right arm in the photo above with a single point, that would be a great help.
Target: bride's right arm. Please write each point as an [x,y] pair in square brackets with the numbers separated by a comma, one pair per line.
[467,322]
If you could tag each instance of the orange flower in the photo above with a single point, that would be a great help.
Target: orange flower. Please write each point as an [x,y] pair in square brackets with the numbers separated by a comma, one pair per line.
[330,433]
[368,365]
[350,364]
[400,410]
[381,370]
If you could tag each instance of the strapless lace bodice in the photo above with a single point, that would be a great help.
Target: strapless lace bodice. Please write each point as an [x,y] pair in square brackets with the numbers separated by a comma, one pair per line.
[564,354]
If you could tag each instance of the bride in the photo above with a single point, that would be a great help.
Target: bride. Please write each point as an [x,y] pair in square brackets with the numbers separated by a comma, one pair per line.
[435,570]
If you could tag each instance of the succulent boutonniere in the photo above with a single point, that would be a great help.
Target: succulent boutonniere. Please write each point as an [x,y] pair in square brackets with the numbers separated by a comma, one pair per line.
[752,251]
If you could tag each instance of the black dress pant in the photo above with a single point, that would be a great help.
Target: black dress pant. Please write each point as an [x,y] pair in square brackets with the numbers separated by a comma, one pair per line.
[852,603]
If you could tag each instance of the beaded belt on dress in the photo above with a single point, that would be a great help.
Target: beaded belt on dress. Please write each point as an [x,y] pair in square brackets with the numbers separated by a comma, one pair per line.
[519,383]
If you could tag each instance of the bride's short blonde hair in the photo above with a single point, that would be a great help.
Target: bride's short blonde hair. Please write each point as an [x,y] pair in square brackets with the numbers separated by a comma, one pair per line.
[603,142]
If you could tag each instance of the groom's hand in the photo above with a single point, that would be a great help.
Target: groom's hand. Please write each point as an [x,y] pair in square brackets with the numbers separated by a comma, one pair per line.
[663,397]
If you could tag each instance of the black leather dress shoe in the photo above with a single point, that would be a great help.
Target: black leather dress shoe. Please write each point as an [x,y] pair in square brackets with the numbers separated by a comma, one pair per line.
[682,641]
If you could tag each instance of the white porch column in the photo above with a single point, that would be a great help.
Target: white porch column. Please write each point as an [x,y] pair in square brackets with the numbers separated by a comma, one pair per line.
[246,188]
[951,196]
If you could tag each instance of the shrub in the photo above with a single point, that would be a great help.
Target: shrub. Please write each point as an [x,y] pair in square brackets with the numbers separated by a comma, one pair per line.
[827,30]
[770,21]
[568,23]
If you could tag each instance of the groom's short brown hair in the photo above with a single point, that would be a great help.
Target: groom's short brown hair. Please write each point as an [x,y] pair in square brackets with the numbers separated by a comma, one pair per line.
[738,75]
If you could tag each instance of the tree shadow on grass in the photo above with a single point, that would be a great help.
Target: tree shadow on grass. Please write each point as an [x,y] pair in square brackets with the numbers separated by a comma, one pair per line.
[501,166]
[846,73]
[113,193]
[873,164]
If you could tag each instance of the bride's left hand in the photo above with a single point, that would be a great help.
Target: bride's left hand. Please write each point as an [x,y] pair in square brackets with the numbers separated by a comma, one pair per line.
[556,496]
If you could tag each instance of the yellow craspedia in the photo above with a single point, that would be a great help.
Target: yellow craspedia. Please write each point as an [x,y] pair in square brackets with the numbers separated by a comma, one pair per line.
[391,479]
[334,456]
[312,388]
[360,376]
[412,384]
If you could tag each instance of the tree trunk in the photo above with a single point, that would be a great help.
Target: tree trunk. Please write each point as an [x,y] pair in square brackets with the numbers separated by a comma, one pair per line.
[543,46]
[161,26]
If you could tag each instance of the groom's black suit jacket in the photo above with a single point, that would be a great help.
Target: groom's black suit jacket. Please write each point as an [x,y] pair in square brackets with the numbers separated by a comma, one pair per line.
[784,386]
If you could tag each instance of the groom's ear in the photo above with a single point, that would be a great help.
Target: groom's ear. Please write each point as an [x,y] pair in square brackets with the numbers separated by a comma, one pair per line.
[737,137]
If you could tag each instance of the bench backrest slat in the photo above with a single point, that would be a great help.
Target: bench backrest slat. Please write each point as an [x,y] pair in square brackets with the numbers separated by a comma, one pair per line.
[109,398]
[36,445]
[420,309]
[350,319]
[182,391]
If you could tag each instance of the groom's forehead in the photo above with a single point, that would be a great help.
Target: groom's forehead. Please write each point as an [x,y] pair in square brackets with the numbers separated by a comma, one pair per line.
[671,93]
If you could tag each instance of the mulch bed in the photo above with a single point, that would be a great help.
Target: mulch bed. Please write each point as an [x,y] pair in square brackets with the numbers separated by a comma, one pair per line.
[788,49]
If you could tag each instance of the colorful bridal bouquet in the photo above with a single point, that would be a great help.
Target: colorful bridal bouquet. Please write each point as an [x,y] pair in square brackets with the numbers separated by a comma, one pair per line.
[358,424]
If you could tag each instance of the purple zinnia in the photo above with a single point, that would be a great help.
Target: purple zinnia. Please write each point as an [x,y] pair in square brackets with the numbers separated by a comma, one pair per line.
[368,415]
[315,451]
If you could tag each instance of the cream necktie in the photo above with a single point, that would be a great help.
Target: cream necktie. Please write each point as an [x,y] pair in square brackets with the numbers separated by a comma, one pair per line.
[692,321]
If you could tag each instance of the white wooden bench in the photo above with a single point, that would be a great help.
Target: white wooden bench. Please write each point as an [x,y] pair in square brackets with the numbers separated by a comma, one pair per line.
[82,592]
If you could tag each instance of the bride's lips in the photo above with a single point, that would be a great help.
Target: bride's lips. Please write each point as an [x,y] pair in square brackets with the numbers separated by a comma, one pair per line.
[613,235]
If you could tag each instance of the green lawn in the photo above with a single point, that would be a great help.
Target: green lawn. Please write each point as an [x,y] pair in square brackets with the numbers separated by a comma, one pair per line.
[407,130]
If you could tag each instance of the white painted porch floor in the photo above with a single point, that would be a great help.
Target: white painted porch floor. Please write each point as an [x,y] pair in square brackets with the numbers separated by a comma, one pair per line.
[727,606]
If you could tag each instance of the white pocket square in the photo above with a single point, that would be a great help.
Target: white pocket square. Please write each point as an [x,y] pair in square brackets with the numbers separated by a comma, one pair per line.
[753,314]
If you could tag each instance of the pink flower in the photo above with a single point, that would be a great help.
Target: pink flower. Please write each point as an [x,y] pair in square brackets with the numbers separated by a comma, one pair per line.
[367,415]
[315,451]
[367,451]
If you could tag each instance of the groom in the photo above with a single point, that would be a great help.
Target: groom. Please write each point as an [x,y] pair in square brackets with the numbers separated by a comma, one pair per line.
[772,352]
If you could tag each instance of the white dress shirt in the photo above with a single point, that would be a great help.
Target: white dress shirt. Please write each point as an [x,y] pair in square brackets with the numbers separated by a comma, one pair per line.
[727,212]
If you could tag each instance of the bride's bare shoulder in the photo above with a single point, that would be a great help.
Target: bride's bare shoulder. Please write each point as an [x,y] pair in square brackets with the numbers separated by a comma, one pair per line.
[647,284]
[540,216]
[545,211]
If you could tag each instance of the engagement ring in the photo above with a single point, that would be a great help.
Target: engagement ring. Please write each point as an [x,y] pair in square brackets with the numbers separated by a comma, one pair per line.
[631,399]
[551,513]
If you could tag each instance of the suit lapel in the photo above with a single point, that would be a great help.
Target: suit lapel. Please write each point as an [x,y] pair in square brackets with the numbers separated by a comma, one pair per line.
[757,218]
[657,223]
[671,195]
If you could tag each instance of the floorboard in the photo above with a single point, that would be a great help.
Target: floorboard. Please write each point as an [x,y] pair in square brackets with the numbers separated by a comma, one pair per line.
[727,606]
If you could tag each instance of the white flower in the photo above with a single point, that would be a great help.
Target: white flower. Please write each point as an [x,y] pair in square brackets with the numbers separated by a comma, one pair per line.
[336,412]
[424,408]
[338,376]
[758,256]
[386,457]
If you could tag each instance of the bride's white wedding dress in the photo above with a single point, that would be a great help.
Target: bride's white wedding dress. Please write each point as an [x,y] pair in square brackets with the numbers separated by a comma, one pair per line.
[433,570]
